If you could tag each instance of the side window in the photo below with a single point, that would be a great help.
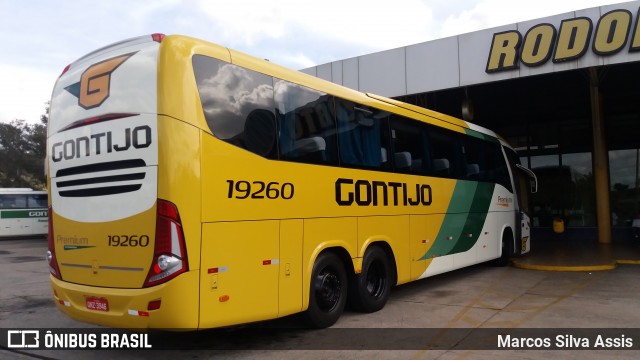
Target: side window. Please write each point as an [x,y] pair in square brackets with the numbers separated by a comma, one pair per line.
[362,135]
[13,201]
[307,126]
[501,171]
[37,201]
[6,202]
[444,153]
[475,153]
[410,146]
[238,104]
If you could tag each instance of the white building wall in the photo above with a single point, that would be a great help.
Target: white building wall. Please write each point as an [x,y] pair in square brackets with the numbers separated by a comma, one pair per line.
[462,60]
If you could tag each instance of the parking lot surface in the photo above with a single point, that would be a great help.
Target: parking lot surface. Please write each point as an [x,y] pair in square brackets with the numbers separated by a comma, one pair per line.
[479,312]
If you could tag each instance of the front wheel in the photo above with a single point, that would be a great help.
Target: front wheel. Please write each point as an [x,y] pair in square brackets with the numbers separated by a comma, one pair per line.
[507,251]
[371,290]
[328,293]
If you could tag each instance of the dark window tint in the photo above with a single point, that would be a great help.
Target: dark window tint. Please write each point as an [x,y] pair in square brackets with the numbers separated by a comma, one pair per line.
[475,153]
[363,135]
[37,201]
[410,150]
[238,104]
[502,172]
[444,153]
[13,201]
[307,125]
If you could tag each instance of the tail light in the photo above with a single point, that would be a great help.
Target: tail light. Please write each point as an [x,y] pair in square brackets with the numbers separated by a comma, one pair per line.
[51,252]
[95,120]
[169,255]
[64,71]
[157,37]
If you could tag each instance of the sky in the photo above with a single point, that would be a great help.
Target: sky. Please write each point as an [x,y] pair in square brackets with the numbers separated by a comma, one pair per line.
[40,37]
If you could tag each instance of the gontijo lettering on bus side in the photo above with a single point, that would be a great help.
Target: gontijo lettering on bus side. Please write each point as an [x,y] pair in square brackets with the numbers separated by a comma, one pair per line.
[18,214]
[375,193]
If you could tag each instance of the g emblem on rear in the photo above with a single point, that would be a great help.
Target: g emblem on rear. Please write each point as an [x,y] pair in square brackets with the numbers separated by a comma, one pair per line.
[95,82]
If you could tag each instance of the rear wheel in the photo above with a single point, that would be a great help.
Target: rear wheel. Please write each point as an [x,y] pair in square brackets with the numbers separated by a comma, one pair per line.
[328,294]
[370,291]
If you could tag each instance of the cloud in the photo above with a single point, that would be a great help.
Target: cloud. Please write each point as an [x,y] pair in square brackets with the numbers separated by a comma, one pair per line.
[295,33]
[316,27]
[23,92]
[492,13]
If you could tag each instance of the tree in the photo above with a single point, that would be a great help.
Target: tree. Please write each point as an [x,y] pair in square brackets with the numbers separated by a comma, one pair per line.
[22,154]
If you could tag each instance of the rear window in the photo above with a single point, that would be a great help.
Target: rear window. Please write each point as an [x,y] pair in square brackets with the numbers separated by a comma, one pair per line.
[238,104]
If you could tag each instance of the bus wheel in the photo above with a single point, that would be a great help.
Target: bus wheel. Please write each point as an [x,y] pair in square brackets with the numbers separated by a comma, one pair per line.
[507,251]
[328,294]
[370,291]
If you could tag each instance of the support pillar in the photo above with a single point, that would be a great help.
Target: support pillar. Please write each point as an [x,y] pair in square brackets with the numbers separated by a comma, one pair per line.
[600,160]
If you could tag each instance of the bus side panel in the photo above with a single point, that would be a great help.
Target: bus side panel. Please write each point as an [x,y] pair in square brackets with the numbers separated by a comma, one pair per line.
[179,179]
[423,232]
[290,286]
[393,230]
[489,245]
[239,274]
[323,233]
[23,222]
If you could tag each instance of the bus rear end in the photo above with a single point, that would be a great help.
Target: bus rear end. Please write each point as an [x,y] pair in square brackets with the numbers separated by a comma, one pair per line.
[117,252]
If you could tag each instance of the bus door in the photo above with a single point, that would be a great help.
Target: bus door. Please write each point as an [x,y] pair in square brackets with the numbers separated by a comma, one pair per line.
[525,181]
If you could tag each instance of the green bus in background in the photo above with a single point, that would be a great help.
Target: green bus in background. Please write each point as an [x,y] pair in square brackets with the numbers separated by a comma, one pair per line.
[23,212]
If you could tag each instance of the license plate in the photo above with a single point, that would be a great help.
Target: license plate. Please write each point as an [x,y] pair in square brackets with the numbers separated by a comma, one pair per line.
[99,304]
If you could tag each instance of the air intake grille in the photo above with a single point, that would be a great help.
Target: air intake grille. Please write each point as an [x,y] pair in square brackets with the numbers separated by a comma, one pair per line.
[107,178]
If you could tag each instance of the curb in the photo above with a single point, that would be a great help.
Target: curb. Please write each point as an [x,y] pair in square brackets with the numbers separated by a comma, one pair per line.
[585,268]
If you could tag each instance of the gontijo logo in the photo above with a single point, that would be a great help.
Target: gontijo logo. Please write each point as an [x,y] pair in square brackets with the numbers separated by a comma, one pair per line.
[94,86]
[570,43]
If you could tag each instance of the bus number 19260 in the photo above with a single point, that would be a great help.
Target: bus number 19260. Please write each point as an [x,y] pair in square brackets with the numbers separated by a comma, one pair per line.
[259,190]
[129,240]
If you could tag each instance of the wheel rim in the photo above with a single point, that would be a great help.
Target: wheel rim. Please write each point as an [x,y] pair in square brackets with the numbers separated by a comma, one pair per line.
[328,289]
[376,280]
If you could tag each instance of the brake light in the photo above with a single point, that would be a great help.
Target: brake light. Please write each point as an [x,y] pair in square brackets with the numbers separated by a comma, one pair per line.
[169,254]
[51,252]
[97,119]
[64,71]
[157,37]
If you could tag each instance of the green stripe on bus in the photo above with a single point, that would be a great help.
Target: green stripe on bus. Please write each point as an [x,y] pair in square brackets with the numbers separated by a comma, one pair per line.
[477,216]
[463,218]
[480,135]
[22,214]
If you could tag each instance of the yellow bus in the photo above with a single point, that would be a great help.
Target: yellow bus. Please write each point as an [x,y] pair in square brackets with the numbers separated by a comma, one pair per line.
[193,186]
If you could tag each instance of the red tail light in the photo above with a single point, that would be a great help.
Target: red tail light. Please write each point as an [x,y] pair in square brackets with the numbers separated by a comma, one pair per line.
[64,71]
[169,255]
[51,253]
[157,37]
[95,120]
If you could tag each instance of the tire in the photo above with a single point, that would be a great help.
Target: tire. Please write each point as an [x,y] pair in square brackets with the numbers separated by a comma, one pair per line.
[507,251]
[328,291]
[371,289]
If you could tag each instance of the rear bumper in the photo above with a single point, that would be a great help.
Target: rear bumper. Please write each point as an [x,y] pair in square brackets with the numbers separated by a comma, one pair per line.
[128,307]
